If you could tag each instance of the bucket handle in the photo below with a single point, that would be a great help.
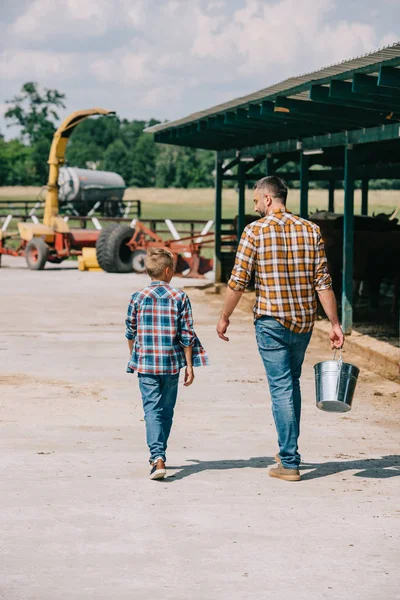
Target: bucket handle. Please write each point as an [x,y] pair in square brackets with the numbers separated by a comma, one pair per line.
[340,359]
[340,362]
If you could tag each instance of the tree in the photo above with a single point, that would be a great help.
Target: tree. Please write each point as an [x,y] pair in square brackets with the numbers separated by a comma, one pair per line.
[16,164]
[144,162]
[117,158]
[34,112]
[165,167]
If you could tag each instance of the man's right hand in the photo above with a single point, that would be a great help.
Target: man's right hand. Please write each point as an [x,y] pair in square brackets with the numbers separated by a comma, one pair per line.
[222,326]
[336,336]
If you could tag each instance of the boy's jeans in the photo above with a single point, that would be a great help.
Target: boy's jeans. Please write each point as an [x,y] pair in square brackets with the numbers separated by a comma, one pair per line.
[159,394]
[282,352]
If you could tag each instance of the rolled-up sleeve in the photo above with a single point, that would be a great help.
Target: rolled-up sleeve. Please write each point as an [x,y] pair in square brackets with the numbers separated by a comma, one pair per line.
[244,262]
[131,321]
[187,334]
[322,279]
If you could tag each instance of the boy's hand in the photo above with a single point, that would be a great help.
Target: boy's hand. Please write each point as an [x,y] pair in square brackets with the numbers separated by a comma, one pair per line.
[189,376]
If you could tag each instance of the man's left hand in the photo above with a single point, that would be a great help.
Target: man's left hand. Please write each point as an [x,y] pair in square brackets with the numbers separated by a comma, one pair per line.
[222,327]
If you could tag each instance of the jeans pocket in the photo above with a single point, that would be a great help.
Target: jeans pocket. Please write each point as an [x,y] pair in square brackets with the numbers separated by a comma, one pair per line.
[173,380]
[148,381]
[269,338]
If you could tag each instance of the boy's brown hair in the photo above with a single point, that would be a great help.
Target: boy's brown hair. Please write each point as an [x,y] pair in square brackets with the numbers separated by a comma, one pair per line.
[157,260]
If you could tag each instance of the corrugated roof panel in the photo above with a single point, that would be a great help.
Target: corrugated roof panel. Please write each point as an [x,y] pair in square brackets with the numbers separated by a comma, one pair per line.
[365,63]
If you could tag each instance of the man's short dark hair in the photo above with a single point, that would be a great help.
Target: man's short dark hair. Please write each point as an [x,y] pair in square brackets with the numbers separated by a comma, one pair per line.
[273,185]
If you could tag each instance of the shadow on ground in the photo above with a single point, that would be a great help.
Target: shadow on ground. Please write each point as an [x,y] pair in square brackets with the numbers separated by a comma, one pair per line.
[374,468]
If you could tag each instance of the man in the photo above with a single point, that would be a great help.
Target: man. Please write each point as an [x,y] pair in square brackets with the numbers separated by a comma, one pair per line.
[288,258]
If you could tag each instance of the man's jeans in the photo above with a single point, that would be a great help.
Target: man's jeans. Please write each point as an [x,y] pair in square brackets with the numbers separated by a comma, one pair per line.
[159,394]
[282,352]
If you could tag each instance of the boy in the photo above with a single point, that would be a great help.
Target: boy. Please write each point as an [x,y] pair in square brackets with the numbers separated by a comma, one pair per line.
[161,339]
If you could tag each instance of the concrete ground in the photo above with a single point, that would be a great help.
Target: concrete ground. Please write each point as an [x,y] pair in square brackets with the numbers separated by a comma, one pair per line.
[79,518]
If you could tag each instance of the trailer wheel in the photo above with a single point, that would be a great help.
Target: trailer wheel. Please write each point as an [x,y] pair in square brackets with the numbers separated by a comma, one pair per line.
[113,208]
[138,261]
[117,255]
[36,254]
[101,252]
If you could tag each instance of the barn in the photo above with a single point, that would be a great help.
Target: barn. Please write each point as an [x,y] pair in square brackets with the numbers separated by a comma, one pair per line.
[345,119]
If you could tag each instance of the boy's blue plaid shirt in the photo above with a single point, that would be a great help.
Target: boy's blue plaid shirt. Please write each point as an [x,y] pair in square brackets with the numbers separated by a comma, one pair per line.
[160,323]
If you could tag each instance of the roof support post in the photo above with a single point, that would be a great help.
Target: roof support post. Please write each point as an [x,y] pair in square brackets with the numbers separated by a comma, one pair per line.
[331,196]
[242,201]
[364,196]
[348,241]
[304,182]
[218,216]
[269,170]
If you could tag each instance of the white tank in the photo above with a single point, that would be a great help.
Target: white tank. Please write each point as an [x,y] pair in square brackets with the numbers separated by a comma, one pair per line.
[89,185]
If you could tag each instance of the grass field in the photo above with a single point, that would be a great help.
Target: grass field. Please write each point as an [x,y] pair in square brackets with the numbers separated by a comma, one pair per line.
[199,203]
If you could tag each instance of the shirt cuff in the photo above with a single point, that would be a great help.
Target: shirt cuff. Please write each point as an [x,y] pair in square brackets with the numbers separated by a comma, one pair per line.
[129,336]
[187,343]
[324,284]
[236,286]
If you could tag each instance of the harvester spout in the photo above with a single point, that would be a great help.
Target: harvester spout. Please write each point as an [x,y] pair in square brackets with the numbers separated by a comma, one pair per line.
[57,159]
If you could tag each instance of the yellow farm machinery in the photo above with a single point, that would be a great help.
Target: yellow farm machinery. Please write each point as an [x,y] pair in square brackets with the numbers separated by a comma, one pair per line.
[119,248]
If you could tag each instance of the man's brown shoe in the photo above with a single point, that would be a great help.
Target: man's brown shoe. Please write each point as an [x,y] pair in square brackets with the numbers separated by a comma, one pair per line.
[277,459]
[158,470]
[287,474]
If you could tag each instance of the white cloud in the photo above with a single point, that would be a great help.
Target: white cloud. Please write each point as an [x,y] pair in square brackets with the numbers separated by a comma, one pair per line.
[128,68]
[43,66]
[263,35]
[171,57]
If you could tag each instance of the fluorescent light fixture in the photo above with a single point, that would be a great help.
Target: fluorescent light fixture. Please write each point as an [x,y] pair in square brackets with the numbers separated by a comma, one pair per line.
[316,151]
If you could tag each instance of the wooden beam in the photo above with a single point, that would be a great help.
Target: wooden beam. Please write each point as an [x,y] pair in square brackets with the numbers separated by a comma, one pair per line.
[363,135]
[230,165]
[343,90]
[368,84]
[389,77]
[344,99]
[332,113]
[257,160]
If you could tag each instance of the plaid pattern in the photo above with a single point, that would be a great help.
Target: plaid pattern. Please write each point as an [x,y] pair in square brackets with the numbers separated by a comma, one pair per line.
[287,255]
[160,322]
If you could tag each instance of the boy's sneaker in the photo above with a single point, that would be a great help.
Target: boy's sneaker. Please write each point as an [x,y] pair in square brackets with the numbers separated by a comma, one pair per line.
[158,470]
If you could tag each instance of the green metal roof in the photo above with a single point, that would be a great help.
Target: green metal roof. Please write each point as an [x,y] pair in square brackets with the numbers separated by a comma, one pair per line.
[361,95]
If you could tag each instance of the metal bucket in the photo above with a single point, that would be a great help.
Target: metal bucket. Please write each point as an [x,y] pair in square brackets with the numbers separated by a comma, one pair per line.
[335,383]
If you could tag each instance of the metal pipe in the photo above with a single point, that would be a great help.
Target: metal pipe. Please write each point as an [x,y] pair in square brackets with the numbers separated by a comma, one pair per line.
[218,217]
[241,199]
[348,241]
[364,196]
[304,183]
[331,196]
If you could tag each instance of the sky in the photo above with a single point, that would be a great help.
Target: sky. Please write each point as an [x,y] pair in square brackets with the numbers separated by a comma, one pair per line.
[168,58]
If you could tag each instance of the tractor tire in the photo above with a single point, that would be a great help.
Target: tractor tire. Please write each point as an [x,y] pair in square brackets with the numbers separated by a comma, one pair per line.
[36,254]
[138,261]
[101,252]
[116,255]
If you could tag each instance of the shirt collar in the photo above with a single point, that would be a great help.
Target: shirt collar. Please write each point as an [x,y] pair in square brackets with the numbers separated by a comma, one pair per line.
[279,210]
[159,282]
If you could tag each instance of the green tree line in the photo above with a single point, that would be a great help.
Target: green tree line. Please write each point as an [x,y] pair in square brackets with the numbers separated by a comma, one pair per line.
[104,143]
[110,144]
